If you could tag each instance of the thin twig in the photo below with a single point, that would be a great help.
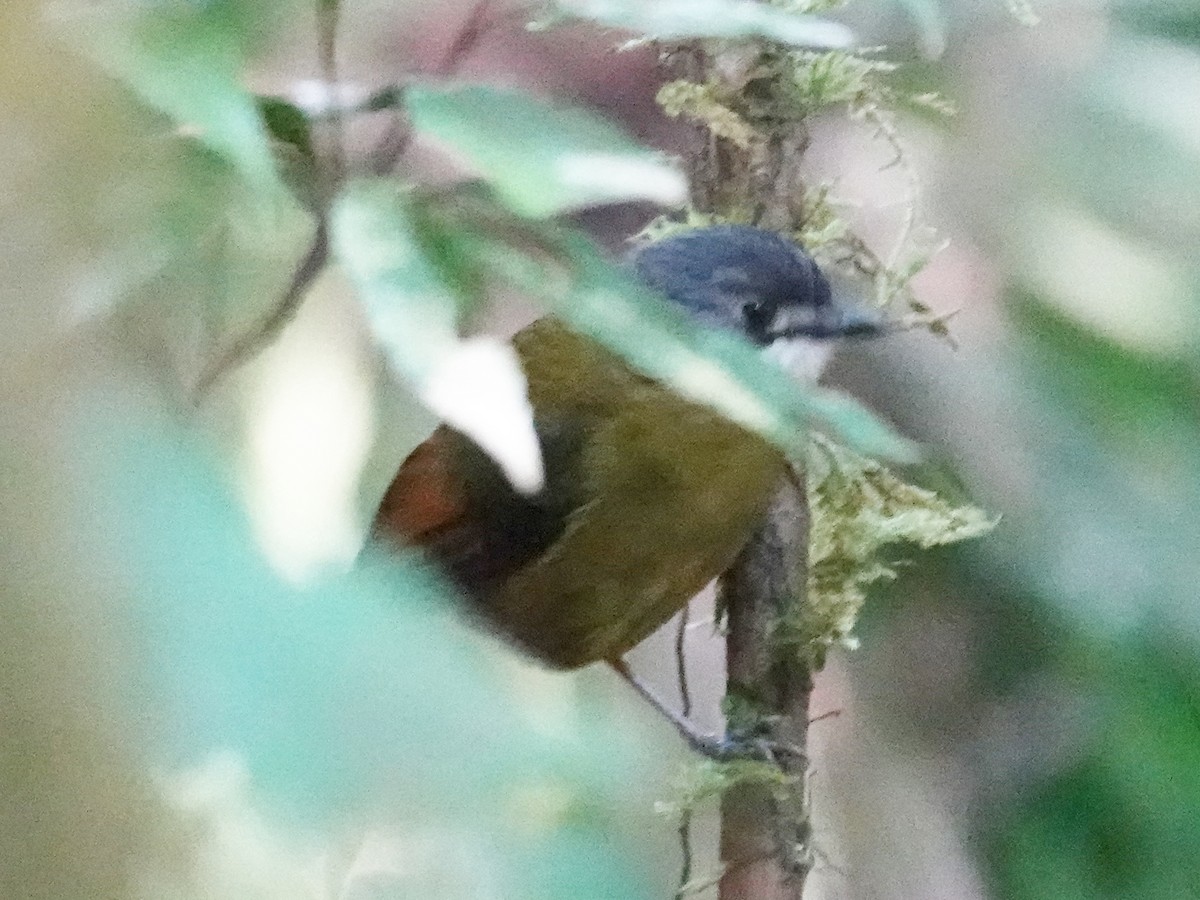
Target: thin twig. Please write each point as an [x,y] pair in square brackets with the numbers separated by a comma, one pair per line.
[252,342]
[474,27]
[685,693]
[830,714]
[392,146]
[708,745]
[685,850]
[330,177]
[327,27]
[685,708]
[399,135]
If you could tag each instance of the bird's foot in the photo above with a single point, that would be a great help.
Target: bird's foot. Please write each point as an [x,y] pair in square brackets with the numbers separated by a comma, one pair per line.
[720,748]
[734,747]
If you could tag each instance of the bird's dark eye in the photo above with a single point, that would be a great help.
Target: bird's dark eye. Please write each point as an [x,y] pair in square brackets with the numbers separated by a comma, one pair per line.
[757,317]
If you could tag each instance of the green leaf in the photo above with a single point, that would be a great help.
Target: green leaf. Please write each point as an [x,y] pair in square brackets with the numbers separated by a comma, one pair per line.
[540,158]
[361,699]
[568,275]
[156,235]
[185,60]
[1121,420]
[290,130]
[683,19]
[1080,828]
[412,303]
[709,366]
[287,124]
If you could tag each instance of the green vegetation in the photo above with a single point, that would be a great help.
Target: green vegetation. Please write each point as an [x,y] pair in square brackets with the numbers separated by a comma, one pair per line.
[186,716]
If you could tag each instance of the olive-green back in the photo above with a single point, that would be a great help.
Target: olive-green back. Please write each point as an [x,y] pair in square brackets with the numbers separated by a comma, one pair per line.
[664,493]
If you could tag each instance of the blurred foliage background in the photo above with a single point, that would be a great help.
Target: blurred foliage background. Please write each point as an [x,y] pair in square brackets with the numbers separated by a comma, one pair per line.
[201,698]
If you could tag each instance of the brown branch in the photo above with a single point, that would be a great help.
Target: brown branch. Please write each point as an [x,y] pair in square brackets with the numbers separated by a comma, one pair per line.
[476,25]
[769,823]
[765,830]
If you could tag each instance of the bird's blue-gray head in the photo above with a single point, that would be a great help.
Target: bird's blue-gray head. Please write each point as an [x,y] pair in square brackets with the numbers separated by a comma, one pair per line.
[757,283]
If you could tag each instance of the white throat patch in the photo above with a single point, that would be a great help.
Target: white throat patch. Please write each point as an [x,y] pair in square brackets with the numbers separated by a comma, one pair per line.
[803,358]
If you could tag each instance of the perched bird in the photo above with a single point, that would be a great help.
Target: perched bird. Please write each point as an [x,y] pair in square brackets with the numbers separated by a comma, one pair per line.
[647,496]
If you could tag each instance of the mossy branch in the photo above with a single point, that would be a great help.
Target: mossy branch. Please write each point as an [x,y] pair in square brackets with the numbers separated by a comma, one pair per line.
[798,586]
[759,95]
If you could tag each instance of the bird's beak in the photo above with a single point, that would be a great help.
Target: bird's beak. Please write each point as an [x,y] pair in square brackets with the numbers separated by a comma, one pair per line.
[828,322]
[858,321]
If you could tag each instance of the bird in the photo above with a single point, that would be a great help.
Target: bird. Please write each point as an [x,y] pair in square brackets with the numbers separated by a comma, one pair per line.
[647,496]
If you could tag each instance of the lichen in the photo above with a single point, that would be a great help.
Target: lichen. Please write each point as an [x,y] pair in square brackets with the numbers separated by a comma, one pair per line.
[858,507]
[775,86]
[709,780]
[709,105]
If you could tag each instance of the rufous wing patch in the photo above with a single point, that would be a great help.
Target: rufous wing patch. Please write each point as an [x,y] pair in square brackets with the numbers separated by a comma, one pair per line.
[427,496]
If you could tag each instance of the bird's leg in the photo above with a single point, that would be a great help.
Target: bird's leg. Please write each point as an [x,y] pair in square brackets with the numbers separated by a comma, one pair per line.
[707,744]
[720,748]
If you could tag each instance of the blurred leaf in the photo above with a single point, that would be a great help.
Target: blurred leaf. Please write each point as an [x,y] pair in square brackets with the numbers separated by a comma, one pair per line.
[709,366]
[1123,145]
[185,59]
[1138,96]
[292,146]
[360,703]
[1117,541]
[413,306]
[1090,271]
[568,275]
[929,17]
[223,258]
[1126,791]
[273,648]
[122,225]
[540,158]
[223,233]
[1176,20]
[287,124]
[683,19]
[1126,394]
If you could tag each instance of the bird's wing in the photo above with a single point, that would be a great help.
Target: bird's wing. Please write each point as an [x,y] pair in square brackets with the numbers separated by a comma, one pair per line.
[450,499]
[648,497]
